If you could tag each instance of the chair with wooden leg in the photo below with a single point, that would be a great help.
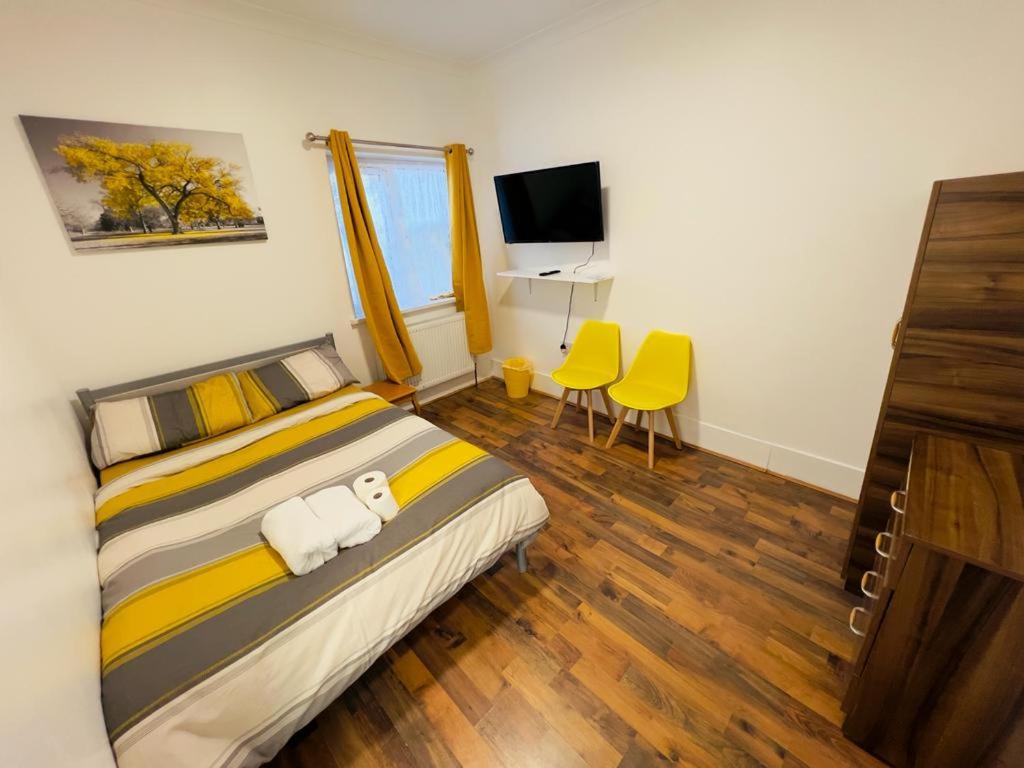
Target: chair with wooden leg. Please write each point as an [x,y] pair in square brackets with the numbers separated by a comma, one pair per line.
[592,364]
[657,380]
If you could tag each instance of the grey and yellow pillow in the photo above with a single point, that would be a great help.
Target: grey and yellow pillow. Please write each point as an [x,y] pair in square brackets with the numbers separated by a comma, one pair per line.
[293,380]
[124,429]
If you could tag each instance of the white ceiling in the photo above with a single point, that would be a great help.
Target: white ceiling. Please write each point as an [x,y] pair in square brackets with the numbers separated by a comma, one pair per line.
[460,31]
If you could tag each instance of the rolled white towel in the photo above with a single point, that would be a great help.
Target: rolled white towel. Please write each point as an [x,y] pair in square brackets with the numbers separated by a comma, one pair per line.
[299,536]
[349,520]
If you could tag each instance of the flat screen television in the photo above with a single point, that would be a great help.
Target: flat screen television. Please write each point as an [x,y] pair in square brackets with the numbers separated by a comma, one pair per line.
[552,205]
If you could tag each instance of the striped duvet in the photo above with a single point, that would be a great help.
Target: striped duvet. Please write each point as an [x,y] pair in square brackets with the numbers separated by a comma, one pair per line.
[213,654]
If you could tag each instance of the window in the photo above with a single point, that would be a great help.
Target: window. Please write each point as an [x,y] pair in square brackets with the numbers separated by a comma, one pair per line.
[408,199]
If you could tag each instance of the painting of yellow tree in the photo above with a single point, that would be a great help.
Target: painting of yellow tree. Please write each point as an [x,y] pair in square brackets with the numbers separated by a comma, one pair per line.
[115,185]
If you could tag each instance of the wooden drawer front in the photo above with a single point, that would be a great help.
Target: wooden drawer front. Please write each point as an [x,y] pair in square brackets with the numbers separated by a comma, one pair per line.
[877,584]
[887,545]
[945,654]
[887,473]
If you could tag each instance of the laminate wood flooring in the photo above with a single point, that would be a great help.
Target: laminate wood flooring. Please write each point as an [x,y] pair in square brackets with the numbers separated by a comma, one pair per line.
[692,614]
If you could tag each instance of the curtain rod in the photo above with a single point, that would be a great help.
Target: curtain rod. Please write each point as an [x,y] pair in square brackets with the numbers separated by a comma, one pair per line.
[313,137]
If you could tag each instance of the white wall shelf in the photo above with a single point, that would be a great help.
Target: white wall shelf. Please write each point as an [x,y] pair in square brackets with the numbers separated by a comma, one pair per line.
[592,274]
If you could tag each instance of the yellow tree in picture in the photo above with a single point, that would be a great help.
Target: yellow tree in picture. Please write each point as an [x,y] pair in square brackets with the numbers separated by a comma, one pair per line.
[186,187]
[129,202]
[207,208]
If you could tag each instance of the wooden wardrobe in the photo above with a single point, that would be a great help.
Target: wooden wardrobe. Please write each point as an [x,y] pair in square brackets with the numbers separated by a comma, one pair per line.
[958,366]
[938,681]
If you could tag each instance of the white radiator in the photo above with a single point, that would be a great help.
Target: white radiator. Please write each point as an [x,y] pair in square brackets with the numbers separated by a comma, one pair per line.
[442,348]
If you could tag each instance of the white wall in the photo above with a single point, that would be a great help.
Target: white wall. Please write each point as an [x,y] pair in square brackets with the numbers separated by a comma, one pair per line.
[208,65]
[69,320]
[767,167]
[50,712]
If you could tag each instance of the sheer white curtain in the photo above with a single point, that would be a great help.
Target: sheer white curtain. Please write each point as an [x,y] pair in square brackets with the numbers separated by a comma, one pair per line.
[408,199]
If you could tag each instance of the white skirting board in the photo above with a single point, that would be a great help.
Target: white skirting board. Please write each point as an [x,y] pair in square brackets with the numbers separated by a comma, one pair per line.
[835,476]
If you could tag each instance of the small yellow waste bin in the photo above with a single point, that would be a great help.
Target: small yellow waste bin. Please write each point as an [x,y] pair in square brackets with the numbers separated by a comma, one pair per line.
[518,373]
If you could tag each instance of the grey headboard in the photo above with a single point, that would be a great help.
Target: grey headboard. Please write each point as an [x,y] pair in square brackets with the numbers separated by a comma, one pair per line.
[167,381]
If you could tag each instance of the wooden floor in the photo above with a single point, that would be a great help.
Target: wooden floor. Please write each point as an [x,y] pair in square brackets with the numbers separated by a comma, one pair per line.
[689,614]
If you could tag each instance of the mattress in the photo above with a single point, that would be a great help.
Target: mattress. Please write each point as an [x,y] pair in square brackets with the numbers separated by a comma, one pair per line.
[213,653]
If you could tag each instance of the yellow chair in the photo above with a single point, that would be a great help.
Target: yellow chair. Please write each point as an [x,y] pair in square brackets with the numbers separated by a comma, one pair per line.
[657,380]
[593,363]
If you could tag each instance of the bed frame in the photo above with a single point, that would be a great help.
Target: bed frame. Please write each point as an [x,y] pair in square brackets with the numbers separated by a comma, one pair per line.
[521,556]
[167,381]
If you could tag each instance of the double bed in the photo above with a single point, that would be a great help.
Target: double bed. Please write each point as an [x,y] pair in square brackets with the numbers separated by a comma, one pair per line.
[213,653]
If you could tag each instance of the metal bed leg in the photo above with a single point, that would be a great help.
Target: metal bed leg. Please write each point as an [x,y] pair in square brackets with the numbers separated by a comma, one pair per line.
[521,556]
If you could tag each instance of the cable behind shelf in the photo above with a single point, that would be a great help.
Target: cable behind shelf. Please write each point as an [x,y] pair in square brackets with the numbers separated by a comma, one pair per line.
[572,290]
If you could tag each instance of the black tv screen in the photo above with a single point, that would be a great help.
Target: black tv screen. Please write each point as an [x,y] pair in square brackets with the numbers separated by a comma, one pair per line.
[553,205]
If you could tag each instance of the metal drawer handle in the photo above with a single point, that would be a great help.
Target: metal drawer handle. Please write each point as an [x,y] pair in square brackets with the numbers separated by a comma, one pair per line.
[864,583]
[896,332]
[895,502]
[886,553]
[853,621]
[898,502]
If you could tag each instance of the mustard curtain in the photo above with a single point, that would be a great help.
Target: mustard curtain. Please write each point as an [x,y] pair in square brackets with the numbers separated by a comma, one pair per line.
[467,271]
[383,316]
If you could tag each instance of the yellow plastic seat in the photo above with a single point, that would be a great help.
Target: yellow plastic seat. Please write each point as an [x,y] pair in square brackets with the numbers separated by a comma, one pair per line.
[592,364]
[658,380]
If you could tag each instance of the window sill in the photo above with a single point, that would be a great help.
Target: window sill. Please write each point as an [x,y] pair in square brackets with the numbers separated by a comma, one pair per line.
[418,314]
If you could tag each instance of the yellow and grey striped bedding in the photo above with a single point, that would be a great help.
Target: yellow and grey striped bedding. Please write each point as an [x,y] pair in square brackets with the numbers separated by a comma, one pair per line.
[124,429]
[293,380]
[213,654]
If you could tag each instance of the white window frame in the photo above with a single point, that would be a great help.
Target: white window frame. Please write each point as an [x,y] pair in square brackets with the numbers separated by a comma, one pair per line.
[441,307]
[416,315]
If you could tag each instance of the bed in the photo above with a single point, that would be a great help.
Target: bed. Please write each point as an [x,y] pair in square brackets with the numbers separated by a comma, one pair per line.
[213,654]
